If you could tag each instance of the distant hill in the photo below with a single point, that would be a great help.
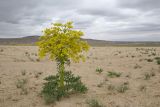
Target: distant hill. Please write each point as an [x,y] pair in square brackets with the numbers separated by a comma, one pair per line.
[30,40]
[17,41]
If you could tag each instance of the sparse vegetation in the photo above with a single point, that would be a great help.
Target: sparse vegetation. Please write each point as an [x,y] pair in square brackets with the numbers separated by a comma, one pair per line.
[38,60]
[147,75]
[149,60]
[122,88]
[110,91]
[36,75]
[99,70]
[1,50]
[27,53]
[21,84]
[111,87]
[132,56]
[23,72]
[53,92]
[153,54]
[94,103]
[137,66]
[143,88]
[157,60]
[113,74]
[101,84]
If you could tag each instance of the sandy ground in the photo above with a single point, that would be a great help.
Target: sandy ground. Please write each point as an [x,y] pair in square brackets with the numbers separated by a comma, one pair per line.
[21,63]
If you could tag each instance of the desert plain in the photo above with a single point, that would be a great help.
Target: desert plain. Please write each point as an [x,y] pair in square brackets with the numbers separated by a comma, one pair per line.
[136,85]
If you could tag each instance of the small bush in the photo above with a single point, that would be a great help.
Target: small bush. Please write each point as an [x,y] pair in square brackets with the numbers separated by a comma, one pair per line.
[111,87]
[24,91]
[99,70]
[132,56]
[137,66]
[149,60]
[1,50]
[122,88]
[152,74]
[27,54]
[52,91]
[158,60]
[21,84]
[143,88]
[154,54]
[38,60]
[36,75]
[100,84]
[23,72]
[94,103]
[147,76]
[114,74]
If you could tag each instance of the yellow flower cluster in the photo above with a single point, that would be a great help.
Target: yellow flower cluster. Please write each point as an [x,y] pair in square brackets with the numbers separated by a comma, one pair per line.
[62,42]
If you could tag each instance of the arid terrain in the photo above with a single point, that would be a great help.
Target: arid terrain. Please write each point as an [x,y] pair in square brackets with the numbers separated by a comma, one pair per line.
[130,77]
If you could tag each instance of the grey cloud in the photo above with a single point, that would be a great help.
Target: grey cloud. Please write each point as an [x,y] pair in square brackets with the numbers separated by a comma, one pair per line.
[100,19]
[141,4]
[107,13]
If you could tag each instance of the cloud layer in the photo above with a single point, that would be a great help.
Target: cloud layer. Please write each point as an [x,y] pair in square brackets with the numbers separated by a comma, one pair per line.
[99,19]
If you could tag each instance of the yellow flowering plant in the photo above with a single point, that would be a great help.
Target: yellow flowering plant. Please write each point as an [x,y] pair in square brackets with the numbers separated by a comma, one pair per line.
[62,43]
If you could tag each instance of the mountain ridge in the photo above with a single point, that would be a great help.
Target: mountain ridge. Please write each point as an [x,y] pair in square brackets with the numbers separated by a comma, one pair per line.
[31,40]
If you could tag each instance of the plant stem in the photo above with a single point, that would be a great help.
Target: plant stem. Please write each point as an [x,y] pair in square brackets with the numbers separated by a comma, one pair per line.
[61,69]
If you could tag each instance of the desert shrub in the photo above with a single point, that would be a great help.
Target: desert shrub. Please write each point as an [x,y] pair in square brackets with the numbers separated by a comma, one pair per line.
[113,74]
[99,70]
[1,50]
[154,54]
[149,60]
[152,74]
[147,76]
[119,52]
[24,91]
[111,87]
[53,92]
[101,84]
[23,72]
[137,66]
[132,56]
[27,53]
[38,60]
[21,84]
[143,88]
[122,88]
[158,60]
[36,75]
[94,103]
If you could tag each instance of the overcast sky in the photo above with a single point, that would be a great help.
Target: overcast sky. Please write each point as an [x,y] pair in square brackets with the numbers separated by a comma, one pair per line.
[99,19]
